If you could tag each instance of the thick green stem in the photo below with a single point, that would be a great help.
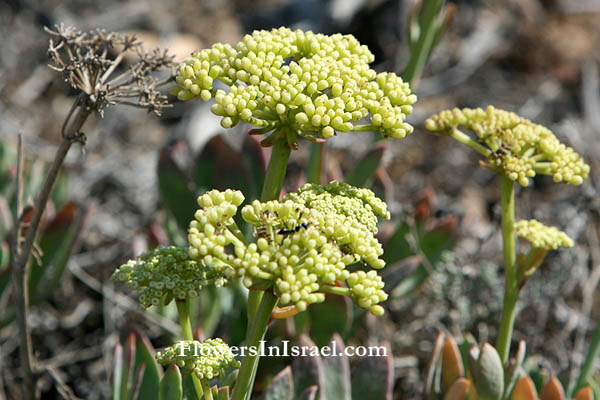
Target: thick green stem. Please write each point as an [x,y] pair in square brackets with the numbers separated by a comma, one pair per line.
[588,365]
[183,309]
[511,291]
[280,156]
[314,171]
[276,170]
[245,379]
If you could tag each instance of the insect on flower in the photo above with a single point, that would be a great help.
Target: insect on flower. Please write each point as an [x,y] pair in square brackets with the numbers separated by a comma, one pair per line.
[295,229]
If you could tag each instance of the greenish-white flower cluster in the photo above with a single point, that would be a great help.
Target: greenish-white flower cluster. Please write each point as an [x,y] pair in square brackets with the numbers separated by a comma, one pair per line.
[167,273]
[206,359]
[302,245]
[311,84]
[517,146]
[542,236]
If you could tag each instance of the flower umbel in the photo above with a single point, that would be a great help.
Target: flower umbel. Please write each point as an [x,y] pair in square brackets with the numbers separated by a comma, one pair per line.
[302,245]
[311,85]
[168,273]
[542,236]
[513,145]
[206,359]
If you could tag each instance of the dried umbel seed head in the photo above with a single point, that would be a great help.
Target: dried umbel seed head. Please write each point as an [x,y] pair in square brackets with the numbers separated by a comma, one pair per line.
[302,245]
[206,360]
[542,236]
[167,273]
[311,85]
[514,145]
[92,64]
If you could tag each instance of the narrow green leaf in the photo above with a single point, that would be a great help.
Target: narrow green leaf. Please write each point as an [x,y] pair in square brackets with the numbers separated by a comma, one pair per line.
[175,188]
[222,393]
[117,373]
[5,270]
[57,242]
[364,170]
[336,372]
[256,164]
[432,245]
[128,367]
[170,385]
[219,166]
[432,374]
[434,242]
[144,354]
[397,248]
[281,387]
[373,375]
[394,274]
[514,368]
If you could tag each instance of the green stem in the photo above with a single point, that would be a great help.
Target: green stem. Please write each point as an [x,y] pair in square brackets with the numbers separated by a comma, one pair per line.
[465,139]
[511,291]
[280,156]
[183,309]
[315,163]
[206,388]
[276,170]
[341,291]
[245,379]
[590,358]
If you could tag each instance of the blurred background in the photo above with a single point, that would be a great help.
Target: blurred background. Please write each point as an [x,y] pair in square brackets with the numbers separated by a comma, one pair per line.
[538,58]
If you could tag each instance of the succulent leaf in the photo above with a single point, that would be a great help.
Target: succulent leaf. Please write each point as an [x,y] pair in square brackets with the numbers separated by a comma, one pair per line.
[552,390]
[524,390]
[452,364]
[487,371]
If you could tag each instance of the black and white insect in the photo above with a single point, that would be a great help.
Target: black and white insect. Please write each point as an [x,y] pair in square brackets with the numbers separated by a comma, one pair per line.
[286,231]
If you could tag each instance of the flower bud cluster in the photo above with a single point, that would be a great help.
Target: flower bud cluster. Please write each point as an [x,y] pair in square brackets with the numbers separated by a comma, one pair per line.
[542,236]
[518,147]
[166,273]
[314,84]
[358,204]
[208,233]
[206,359]
[303,244]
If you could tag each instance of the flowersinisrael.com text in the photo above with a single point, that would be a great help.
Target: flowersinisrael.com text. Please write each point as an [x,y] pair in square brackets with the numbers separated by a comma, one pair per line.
[286,350]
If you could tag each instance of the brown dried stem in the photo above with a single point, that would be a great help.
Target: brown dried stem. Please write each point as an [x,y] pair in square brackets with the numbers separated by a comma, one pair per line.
[71,134]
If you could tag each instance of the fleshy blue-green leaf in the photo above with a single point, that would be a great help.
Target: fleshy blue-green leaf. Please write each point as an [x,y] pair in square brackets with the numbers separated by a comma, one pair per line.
[373,376]
[336,373]
[309,394]
[170,385]
[281,387]
[307,371]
